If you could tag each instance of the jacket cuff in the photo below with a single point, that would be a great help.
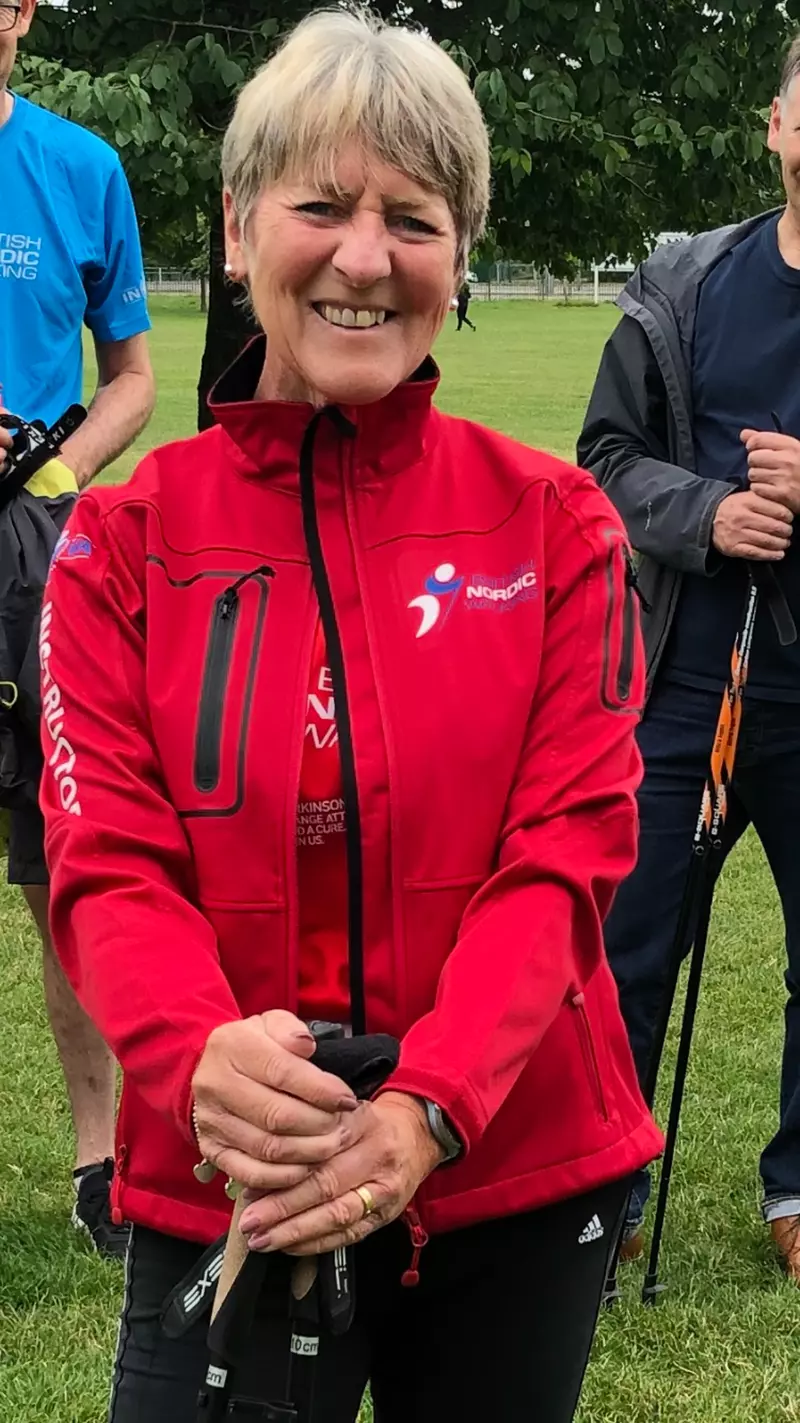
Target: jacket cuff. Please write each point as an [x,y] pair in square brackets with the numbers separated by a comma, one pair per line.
[712,560]
[460,1106]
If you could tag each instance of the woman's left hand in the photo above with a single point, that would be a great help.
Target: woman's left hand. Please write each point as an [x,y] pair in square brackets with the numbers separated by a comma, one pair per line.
[394,1154]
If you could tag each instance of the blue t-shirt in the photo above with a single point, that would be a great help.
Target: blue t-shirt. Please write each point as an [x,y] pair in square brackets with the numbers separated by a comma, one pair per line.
[745,365]
[69,254]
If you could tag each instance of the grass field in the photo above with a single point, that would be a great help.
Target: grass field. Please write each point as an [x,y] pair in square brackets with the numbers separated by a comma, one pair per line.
[724,1346]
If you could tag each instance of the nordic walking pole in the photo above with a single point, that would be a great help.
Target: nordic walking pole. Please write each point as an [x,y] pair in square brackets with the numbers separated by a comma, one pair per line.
[701,876]
[695,910]
[708,837]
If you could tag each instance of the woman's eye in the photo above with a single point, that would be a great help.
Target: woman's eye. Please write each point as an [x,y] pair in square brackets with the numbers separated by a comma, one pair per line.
[412,224]
[318,209]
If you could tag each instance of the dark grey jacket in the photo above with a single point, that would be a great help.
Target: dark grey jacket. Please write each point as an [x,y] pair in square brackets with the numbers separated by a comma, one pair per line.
[637,437]
[29,529]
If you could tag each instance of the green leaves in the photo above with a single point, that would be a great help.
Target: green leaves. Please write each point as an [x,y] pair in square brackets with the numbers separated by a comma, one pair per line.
[159,77]
[597,48]
[604,117]
[497,88]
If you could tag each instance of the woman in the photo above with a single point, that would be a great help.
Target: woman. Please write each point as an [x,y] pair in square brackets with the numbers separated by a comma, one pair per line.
[349,735]
[462,306]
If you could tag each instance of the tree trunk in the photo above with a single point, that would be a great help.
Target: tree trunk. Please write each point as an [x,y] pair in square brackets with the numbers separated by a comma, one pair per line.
[228,328]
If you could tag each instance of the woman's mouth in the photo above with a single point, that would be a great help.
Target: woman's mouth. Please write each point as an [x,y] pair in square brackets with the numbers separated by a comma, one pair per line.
[353,318]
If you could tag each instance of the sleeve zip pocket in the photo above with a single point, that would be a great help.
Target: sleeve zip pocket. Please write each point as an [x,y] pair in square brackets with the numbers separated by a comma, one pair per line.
[625,673]
[619,643]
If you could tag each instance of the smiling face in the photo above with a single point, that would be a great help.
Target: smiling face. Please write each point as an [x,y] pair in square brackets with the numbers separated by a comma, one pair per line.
[784,139]
[351,287]
[10,35]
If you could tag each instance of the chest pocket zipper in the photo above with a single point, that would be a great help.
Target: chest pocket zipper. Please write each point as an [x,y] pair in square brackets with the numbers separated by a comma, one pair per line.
[578,1002]
[216,674]
[215,684]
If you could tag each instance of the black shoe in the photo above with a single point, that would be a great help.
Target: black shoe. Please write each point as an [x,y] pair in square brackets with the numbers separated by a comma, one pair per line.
[92,1210]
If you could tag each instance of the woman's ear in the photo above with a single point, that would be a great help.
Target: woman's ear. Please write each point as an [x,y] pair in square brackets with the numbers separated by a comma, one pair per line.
[235,265]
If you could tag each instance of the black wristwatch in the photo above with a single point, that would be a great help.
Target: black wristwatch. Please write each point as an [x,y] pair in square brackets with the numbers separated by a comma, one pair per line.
[442,1132]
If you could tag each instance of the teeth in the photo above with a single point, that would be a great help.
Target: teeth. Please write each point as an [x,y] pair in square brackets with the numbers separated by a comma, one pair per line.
[346,316]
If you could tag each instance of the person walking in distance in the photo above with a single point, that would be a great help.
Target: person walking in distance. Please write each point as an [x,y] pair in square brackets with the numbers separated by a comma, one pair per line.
[693,429]
[463,300]
[69,255]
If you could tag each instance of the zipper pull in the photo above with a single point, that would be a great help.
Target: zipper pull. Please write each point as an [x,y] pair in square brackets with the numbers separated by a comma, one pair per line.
[632,579]
[419,1239]
[228,602]
[230,597]
[119,1166]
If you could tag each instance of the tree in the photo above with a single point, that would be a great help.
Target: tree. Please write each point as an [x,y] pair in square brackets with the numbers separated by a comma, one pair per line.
[611,119]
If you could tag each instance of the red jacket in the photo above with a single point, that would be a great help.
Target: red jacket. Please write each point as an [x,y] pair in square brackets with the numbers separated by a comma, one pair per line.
[488,689]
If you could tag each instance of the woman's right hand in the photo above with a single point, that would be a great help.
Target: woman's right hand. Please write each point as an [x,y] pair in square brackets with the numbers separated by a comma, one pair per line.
[264,1114]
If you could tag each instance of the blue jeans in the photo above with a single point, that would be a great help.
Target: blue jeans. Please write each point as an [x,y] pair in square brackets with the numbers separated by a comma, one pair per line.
[675,739]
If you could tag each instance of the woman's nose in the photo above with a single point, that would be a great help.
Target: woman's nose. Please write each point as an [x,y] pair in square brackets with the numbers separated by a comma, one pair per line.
[362,256]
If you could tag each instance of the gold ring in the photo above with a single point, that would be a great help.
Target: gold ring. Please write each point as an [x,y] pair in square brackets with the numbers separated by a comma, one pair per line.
[367,1199]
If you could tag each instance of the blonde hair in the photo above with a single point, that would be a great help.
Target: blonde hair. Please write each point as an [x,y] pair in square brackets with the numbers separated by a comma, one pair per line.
[345,76]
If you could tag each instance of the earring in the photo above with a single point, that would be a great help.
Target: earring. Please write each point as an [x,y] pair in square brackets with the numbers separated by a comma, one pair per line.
[228,269]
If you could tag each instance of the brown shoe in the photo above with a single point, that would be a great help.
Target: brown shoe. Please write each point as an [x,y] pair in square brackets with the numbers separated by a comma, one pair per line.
[632,1246]
[786,1234]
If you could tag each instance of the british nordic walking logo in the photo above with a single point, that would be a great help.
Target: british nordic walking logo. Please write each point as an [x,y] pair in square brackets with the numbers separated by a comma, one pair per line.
[441,590]
[484,591]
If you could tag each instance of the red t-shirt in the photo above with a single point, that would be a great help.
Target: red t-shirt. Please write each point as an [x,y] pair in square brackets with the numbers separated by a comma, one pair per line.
[322,855]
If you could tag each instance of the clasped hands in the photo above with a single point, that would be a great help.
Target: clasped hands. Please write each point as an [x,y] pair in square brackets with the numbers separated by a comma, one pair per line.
[756,523]
[321,1170]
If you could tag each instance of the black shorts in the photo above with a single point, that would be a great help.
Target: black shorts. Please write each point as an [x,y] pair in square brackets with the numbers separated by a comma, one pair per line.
[26,861]
[499,1328]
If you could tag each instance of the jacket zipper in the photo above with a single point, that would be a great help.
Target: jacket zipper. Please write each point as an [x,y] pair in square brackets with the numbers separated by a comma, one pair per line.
[578,1002]
[419,1239]
[116,1185]
[632,590]
[208,743]
[616,695]
[333,643]
[215,685]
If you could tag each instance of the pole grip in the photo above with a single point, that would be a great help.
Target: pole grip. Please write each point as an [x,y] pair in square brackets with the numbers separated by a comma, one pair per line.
[236,1253]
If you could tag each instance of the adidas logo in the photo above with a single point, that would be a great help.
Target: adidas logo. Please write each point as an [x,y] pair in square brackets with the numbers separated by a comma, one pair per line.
[593,1231]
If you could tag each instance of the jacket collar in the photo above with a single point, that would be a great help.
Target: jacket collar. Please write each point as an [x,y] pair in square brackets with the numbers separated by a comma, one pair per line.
[678,268]
[390,434]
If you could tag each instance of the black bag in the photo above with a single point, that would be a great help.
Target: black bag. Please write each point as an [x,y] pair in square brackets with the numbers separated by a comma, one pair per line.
[30,526]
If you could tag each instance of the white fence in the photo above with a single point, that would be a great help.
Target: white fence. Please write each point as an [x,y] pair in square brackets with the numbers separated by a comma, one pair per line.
[579,291]
[164,281]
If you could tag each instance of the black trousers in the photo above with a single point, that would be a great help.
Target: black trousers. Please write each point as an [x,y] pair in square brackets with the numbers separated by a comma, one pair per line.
[674,738]
[498,1330]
